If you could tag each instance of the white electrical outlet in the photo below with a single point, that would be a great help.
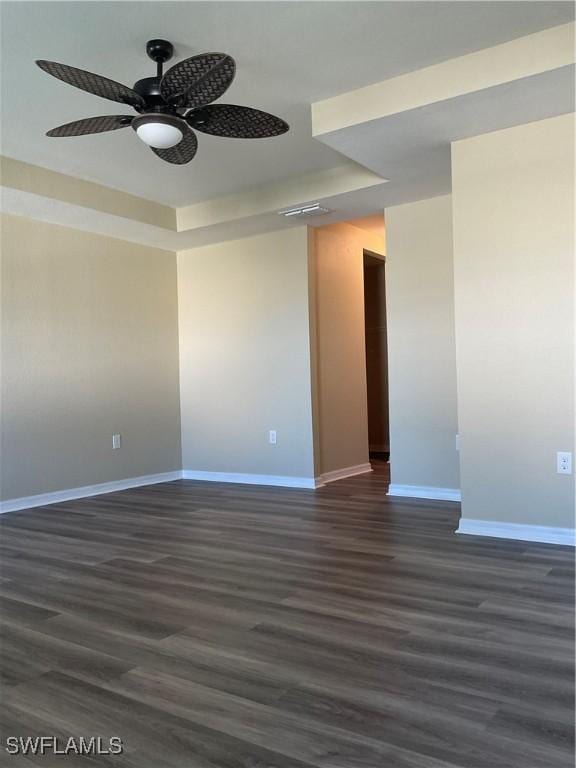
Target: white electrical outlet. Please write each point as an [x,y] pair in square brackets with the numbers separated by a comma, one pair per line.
[116,441]
[564,463]
[272,437]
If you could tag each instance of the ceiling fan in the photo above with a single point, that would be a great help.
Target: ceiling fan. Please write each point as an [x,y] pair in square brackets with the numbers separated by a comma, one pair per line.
[170,105]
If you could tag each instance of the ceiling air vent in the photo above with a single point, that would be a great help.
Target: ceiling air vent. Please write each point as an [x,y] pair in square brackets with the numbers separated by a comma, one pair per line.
[314,209]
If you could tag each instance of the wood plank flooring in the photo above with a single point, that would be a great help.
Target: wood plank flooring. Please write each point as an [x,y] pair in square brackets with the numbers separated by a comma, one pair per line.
[219,626]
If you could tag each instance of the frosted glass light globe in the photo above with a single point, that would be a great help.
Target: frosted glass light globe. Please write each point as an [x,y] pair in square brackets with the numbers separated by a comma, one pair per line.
[159,135]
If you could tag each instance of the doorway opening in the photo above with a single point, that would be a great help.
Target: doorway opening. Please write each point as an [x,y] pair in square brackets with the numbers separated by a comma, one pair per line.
[376,358]
[350,365]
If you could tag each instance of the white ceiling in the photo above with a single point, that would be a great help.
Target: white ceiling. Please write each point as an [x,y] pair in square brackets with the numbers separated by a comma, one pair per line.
[289,54]
[412,149]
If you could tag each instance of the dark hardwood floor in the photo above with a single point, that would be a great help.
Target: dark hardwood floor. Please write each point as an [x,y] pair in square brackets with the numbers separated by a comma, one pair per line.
[219,626]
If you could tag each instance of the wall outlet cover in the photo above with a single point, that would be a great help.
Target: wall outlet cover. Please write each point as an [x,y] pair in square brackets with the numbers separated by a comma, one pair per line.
[564,463]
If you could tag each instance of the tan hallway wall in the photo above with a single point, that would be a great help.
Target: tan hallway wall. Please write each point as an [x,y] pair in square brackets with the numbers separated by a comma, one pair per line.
[339,354]
[513,197]
[245,356]
[89,349]
[421,345]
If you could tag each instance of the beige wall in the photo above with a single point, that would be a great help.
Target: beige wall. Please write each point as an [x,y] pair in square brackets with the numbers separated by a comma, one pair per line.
[89,348]
[245,356]
[337,265]
[421,346]
[514,278]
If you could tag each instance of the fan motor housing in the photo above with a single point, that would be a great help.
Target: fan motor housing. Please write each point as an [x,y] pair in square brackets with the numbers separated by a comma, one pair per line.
[149,89]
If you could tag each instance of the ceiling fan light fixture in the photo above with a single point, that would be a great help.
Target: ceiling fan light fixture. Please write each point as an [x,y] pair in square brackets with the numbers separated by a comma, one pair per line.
[169,106]
[158,131]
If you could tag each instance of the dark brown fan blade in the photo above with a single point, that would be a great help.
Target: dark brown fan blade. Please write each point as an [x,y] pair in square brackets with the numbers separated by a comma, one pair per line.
[92,125]
[96,84]
[236,122]
[198,80]
[183,152]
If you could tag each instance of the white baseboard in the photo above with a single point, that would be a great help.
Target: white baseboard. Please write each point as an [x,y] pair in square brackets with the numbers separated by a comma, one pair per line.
[285,481]
[69,494]
[340,474]
[424,492]
[541,533]
[43,499]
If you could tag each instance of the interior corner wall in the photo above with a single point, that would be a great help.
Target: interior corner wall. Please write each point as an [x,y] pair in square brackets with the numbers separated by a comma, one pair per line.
[421,345]
[245,356]
[89,349]
[513,198]
[339,352]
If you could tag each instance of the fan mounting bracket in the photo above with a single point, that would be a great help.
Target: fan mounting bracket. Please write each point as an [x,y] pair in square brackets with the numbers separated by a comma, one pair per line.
[159,51]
